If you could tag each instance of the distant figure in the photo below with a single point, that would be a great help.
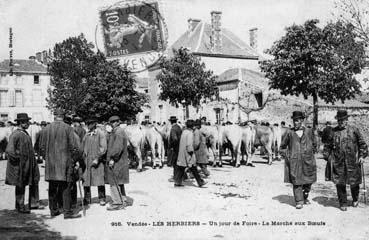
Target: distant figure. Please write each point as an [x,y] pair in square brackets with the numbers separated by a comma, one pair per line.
[327,132]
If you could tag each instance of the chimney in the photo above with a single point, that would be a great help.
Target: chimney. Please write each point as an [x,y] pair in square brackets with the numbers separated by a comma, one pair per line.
[32,58]
[192,23]
[254,38]
[216,34]
[44,57]
[38,56]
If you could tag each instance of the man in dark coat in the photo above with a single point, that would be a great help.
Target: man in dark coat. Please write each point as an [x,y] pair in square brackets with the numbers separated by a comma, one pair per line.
[201,150]
[327,132]
[346,150]
[22,169]
[81,132]
[61,150]
[300,164]
[173,143]
[118,164]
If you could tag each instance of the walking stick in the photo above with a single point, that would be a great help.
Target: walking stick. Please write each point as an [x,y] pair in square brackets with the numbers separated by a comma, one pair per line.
[116,185]
[364,190]
[30,186]
[80,193]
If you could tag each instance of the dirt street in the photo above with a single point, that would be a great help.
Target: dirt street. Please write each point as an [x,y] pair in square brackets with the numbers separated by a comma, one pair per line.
[238,203]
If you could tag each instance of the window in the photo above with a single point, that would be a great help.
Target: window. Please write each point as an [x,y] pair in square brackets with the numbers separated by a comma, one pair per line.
[18,98]
[3,80]
[18,80]
[36,97]
[36,79]
[4,117]
[4,98]
[218,116]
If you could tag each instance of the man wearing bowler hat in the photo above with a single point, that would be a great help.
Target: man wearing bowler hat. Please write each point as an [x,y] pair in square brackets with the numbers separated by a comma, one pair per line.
[22,169]
[173,143]
[94,147]
[118,164]
[187,157]
[300,165]
[60,147]
[346,150]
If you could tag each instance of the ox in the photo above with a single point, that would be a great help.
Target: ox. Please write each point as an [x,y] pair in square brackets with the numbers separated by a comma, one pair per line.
[278,133]
[5,133]
[212,141]
[264,136]
[155,144]
[136,140]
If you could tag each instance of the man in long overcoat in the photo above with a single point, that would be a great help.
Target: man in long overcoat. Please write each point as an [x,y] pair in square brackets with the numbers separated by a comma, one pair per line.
[22,169]
[118,164]
[61,150]
[94,147]
[186,156]
[201,150]
[300,164]
[346,150]
[173,144]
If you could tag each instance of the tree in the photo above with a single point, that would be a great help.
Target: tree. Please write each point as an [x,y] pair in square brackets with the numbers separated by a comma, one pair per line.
[184,80]
[355,12]
[316,62]
[85,83]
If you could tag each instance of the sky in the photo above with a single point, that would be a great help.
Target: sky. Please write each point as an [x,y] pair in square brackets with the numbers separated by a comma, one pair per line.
[39,24]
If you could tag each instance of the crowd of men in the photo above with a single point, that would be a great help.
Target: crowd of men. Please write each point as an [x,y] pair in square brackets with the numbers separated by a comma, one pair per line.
[100,157]
[70,154]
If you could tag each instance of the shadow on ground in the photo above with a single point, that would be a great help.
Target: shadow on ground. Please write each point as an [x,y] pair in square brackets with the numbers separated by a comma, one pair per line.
[32,226]
[285,199]
[327,201]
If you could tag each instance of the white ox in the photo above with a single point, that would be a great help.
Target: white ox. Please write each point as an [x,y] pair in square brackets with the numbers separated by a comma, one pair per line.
[5,133]
[155,143]
[136,140]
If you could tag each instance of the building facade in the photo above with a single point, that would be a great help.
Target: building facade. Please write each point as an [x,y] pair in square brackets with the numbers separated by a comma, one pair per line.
[220,50]
[23,88]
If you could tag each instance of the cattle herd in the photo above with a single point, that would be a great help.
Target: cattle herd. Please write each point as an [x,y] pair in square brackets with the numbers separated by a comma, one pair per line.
[148,142]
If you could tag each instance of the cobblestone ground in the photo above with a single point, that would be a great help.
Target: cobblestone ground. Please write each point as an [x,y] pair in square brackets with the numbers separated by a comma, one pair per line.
[238,203]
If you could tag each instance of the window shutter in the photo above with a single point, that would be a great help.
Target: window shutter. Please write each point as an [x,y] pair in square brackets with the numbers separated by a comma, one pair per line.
[11,98]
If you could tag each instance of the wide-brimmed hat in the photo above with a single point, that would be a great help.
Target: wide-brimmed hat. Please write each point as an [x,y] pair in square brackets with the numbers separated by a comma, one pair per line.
[173,118]
[91,120]
[341,114]
[22,117]
[297,115]
[114,118]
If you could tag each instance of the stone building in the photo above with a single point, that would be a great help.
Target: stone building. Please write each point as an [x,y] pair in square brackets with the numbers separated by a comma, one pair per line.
[220,50]
[25,90]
